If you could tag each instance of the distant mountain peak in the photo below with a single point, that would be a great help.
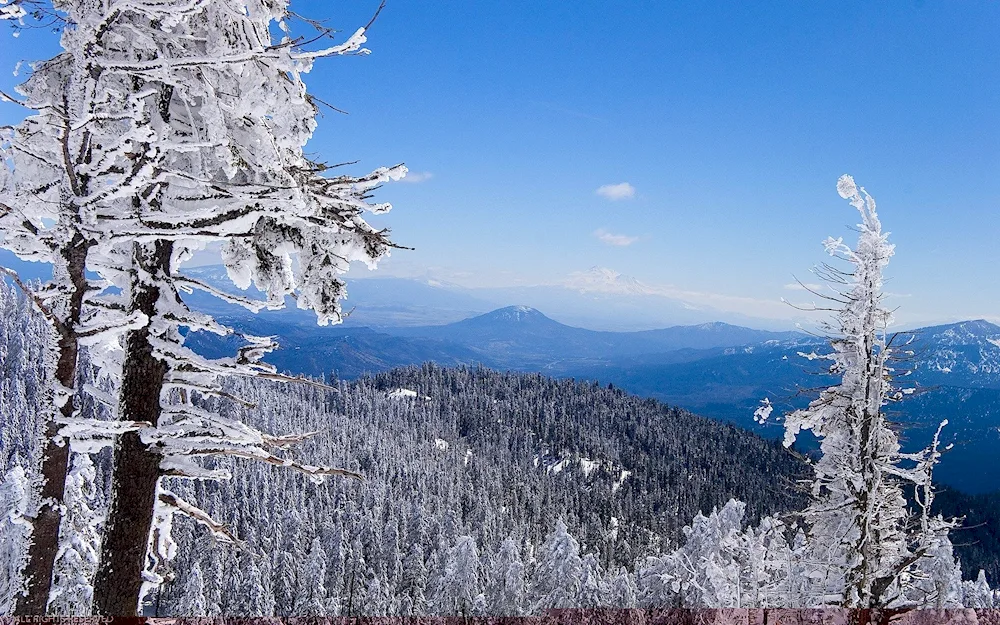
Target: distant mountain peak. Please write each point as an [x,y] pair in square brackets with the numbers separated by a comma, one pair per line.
[515,313]
[714,326]
[603,280]
[964,332]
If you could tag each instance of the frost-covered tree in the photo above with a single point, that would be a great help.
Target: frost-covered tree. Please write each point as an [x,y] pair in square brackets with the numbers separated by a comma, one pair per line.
[193,602]
[256,597]
[37,182]
[15,501]
[723,565]
[391,558]
[506,594]
[937,577]
[460,589]
[79,541]
[706,569]
[593,590]
[768,566]
[413,582]
[978,594]
[376,595]
[174,126]
[622,591]
[311,597]
[861,534]
[558,578]
[336,561]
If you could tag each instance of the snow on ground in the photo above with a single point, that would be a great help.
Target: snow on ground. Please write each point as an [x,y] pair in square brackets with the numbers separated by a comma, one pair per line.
[621,480]
[557,467]
[405,393]
[441,444]
[588,466]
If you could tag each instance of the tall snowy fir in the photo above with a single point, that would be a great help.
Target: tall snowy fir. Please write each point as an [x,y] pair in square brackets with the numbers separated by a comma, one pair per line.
[559,575]
[460,590]
[39,183]
[859,525]
[15,530]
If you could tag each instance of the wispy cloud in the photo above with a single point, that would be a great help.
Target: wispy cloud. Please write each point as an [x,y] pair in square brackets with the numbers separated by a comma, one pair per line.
[619,240]
[807,286]
[416,177]
[615,192]
[608,281]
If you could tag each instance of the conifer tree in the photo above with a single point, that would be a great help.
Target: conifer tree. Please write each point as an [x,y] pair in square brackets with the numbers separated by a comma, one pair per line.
[558,579]
[310,599]
[76,561]
[413,582]
[15,495]
[506,596]
[460,590]
[193,602]
[593,590]
[155,145]
[859,525]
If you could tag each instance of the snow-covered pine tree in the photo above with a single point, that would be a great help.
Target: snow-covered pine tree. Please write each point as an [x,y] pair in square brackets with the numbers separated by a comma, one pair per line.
[978,594]
[392,563]
[15,496]
[558,578]
[219,71]
[255,594]
[310,600]
[707,568]
[285,569]
[376,596]
[765,565]
[117,133]
[593,589]
[336,561]
[859,525]
[506,594]
[79,541]
[460,590]
[622,591]
[193,602]
[412,587]
[38,182]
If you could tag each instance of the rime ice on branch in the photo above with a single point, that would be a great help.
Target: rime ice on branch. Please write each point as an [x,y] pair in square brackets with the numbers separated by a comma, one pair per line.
[872,548]
[160,129]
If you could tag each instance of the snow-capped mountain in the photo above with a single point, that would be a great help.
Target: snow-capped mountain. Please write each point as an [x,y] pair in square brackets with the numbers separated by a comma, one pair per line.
[959,354]
[599,298]
[604,280]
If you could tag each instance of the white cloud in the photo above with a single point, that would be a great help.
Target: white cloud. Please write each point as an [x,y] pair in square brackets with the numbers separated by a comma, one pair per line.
[416,177]
[615,192]
[620,240]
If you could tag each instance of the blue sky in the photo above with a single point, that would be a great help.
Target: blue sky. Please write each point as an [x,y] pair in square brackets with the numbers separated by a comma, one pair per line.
[729,121]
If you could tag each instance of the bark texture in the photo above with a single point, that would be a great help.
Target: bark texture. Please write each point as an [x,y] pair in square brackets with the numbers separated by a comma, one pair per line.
[118,582]
[55,456]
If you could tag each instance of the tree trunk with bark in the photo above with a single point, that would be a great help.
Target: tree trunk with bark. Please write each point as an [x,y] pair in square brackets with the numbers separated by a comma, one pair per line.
[55,456]
[118,582]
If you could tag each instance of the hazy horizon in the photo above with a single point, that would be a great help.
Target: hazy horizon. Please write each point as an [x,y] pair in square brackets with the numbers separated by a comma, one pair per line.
[693,149]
